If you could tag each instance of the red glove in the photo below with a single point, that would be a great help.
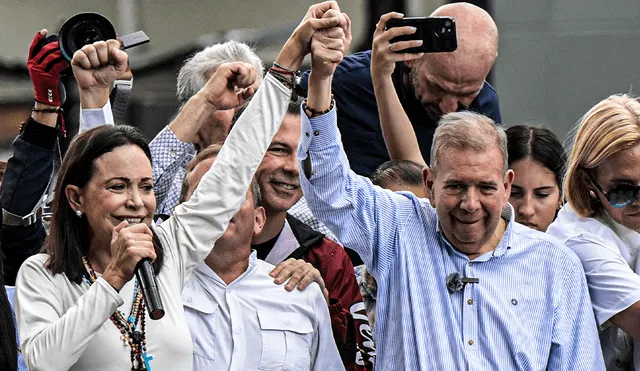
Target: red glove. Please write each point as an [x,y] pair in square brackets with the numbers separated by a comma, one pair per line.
[44,69]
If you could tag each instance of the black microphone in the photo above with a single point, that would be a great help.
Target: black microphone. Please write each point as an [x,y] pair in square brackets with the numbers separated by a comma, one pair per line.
[455,282]
[147,278]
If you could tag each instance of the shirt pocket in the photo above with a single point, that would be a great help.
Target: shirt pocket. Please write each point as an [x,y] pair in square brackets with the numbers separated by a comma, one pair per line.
[286,341]
[201,314]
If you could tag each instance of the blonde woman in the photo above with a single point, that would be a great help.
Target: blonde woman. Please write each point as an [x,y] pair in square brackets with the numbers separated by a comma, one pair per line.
[600,223]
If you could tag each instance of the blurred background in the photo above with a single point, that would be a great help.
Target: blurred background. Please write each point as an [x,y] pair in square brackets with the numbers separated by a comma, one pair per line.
[557,58]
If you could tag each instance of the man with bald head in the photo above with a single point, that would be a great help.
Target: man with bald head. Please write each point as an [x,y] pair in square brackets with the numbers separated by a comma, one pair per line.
[428,87]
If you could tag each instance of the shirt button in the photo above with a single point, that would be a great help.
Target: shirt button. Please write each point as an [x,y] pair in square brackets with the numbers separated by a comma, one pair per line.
[316,133]
[189,300]
[306,134]
[238,331]
[288,323]
[470,301]
[470,342]
[470,263]
[172,153]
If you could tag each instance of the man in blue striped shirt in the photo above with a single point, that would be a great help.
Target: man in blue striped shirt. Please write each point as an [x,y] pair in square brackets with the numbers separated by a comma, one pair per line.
[529,308]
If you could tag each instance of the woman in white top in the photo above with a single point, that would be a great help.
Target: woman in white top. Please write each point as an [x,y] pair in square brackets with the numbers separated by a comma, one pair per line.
[601,220]
[78,306]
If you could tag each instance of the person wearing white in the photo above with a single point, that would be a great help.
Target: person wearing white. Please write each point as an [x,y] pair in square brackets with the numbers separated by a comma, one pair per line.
[601,221]
[66,325]
[239,318]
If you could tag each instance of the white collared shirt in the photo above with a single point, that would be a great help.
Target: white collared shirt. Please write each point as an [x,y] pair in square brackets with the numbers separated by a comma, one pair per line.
[609,255]
[284,246]
[253,323]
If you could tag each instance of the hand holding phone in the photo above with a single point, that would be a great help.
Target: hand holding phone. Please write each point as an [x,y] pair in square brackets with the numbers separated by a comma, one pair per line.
[438,34]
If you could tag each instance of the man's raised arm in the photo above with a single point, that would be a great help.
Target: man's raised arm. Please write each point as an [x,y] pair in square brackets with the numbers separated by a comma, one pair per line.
[347,203]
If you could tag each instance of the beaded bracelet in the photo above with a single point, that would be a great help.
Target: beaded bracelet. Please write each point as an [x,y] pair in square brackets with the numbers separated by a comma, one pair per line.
[48,110]
[314,112]
[289,78]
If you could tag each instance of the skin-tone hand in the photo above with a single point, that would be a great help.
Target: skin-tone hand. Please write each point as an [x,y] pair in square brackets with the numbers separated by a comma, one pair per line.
[229,87]
[299,43]
[128,247]
[328,47]
[397,130]
[299,273]
[96,67]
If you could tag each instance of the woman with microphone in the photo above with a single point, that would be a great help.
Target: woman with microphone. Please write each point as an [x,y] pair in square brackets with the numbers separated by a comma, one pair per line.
[78,304]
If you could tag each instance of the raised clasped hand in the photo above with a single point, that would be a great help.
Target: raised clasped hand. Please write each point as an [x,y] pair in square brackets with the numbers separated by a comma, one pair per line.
[329,45]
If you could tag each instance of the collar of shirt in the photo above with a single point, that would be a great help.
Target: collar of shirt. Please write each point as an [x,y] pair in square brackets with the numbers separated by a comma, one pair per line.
[203,268]
[503,246]
[284,246]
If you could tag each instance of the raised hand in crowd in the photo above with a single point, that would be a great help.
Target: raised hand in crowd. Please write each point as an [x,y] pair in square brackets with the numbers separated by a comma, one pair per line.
[29,168]
[45,64]
[299,43]
[231,85]
[96,66]
[228,88]
[399,136]
[328,47]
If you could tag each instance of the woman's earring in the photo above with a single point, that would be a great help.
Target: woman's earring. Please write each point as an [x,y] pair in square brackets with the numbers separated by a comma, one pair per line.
[78,213]
[592,195]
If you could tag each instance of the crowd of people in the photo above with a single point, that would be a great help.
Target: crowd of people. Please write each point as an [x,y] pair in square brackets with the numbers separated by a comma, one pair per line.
[370,213]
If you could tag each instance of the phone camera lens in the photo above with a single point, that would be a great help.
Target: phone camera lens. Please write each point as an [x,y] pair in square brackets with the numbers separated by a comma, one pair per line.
[447,24]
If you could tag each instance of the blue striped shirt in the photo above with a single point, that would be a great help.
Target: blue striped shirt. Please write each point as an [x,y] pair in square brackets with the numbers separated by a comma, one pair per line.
[530,311]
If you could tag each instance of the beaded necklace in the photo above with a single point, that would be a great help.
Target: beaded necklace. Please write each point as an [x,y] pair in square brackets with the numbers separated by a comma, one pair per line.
[127,325]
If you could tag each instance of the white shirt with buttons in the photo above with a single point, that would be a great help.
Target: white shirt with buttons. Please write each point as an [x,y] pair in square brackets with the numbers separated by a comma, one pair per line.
[254,324]
[609,254]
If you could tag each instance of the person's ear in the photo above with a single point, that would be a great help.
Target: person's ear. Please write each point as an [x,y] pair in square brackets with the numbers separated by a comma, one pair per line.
[74,196]
[260,217]
[560,201]
[428,178]
[509,176]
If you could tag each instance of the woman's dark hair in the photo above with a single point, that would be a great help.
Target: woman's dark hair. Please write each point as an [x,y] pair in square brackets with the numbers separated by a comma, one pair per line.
[401,172]
[541,145]
[8,346]
[68,238]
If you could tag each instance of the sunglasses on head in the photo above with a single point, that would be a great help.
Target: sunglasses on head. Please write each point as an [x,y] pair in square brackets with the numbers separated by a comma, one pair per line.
[620,195]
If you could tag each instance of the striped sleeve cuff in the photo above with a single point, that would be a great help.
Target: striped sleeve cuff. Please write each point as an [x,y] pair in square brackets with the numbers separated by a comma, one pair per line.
[318,132]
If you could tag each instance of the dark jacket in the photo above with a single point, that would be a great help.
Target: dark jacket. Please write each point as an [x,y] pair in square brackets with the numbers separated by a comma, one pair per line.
[358,118]
[25,181]
[349,320]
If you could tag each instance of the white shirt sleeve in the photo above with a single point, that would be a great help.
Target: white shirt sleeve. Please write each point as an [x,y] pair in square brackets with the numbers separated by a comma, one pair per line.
[324,351]
[613,285]
[199,222]
[53,337]
[92,118]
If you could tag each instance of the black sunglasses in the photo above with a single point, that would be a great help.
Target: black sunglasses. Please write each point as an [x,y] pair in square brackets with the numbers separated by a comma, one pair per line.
[620,195]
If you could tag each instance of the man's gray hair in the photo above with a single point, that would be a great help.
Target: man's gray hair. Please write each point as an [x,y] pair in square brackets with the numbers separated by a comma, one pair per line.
[197,70]
[468,130]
